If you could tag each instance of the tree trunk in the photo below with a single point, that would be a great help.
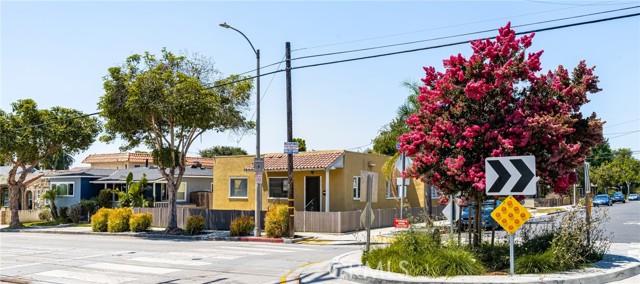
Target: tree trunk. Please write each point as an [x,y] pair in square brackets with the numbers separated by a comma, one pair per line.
[14,193]
[173,212]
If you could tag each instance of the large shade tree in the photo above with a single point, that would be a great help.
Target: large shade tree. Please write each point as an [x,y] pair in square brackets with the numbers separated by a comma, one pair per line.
[493,104]
[30,136]
[221,151]
[166,103]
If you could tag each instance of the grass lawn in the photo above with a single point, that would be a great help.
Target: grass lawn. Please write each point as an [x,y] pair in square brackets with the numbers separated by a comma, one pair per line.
[547,210]
[41,223]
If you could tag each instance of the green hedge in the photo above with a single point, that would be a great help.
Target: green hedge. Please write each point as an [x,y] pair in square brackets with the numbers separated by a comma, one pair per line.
[140,222]
[241,226]
[100,220]
[195,225]
[277,221]
[119,220]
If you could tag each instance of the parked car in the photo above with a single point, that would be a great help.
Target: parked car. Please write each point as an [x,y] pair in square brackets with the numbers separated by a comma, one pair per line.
[602,199]
[487,220]
[633,196]
[618,197]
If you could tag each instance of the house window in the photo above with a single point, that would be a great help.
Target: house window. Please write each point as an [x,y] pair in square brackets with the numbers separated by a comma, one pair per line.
[278,187]
[64,189]
[238,187]
[181,194]
[356,187]
[389,194]
[29,200]
[5,197]
[37,194]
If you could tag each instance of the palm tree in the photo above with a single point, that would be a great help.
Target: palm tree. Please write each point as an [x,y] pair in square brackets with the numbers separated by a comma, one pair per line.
[58,161]
[50,195]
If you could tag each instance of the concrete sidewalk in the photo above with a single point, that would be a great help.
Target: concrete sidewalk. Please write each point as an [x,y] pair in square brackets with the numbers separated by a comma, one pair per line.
[621,263]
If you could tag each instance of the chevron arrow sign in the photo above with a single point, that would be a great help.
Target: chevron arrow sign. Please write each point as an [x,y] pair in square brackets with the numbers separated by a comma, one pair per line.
[510,175]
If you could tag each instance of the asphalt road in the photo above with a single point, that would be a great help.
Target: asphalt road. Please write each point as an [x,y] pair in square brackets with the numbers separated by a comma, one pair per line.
[624,223]
[57,258]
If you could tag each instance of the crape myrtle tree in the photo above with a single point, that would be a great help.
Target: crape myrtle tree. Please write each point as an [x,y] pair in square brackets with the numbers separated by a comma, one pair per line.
[493,104]
[30,136]
[166,103]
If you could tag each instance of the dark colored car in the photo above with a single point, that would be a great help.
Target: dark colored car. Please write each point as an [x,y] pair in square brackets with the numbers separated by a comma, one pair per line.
[487,220]
[633,196]
[602,199]
[618,197]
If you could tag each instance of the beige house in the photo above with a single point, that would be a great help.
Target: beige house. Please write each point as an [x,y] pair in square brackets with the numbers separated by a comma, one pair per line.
[326,181]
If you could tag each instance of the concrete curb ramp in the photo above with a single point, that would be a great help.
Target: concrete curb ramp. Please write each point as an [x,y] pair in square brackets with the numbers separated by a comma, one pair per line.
[611,268]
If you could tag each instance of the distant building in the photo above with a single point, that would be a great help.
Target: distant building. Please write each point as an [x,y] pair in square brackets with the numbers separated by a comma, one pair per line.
[136,160]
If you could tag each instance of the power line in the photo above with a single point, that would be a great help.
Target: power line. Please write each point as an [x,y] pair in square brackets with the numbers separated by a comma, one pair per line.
[57,121]
[397,53]
[437,38]
[621,123]
[446,27]
[459,35]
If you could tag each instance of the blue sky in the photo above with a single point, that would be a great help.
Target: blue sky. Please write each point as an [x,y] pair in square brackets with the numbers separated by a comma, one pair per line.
[58,52]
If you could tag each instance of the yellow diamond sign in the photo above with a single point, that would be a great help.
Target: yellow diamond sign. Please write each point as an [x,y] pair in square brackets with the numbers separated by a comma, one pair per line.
[511,215]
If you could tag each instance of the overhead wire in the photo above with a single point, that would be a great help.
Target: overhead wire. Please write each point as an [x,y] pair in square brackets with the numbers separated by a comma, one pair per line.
[443,27]
[278,70]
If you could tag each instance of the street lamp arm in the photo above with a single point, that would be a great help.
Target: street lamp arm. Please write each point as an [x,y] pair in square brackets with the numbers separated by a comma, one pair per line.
[225,25]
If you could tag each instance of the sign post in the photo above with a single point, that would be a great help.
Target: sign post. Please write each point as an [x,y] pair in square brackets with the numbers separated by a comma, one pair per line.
[369,182]
[511,215]
[587,192]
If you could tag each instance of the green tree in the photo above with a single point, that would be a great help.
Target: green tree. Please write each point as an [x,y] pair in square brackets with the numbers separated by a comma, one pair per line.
[385,142]
[134,195]
[30,136]
[50,196]
[302,144]
[600,154]
[166,103]
[625,168]
[58,161]
[221,151]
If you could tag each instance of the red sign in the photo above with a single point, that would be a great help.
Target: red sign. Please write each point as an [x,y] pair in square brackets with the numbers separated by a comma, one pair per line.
[400,223]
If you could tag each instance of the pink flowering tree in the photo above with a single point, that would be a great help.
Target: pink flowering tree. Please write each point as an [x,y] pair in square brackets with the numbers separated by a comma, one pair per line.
[497,103]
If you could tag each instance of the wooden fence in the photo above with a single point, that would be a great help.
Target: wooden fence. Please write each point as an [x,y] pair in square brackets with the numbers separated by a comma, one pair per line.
[305,221]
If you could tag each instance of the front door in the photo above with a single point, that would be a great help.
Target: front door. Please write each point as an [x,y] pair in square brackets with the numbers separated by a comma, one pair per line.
[312,194]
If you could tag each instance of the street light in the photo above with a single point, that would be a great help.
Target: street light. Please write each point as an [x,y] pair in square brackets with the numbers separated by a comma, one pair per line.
[258,162]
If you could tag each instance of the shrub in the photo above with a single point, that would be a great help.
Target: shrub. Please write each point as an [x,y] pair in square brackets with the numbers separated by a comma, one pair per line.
[277,221]
[536,263]
[119,220]
[420,254]
[104,198]
[74,213]
[44,215]
[140,222]
[88,206]
[494,257]
[241,226]
[64,215]
[100,220]
[195,225]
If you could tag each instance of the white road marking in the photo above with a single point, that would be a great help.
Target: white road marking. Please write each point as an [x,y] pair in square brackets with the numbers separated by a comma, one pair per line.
[85,277]
[233,251]
[631,223]
[290,247]
[258,249]
[171,261]
[54,261]
[204,255]
[130,268]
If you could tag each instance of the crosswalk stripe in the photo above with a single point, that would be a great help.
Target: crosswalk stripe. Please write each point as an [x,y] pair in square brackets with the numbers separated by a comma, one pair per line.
[171,261]
[257,249]
[85,277]
[204,255]
[287,248]
[131,268]
[233,251]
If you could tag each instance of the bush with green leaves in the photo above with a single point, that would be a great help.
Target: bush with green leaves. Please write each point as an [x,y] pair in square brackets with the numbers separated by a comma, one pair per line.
[195,225]
[418,253]
[100,220]
[88,206]
[45,214]
[140,222]
[74,213]
[241,226]
[104,198]
[276,222]
[63,215]
[536,263]
[119,220]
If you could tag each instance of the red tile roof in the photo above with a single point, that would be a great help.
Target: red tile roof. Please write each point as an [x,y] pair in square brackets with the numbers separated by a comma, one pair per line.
[303,161]
[139,158]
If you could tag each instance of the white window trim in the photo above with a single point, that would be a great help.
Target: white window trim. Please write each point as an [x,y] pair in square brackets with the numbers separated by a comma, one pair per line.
[390,195]
[229,188]
[67,183]
[359,189]
[185,191]
[269,187]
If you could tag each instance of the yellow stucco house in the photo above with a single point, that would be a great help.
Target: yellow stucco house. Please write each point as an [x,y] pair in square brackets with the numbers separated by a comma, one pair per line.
[325,181]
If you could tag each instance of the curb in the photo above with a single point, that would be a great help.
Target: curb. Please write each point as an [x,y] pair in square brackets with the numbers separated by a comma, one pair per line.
[147,235]
[611,268]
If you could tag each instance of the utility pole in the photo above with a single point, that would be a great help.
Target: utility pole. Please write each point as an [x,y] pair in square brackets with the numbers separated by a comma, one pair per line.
[290,139]
[587,191]
[404,186]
